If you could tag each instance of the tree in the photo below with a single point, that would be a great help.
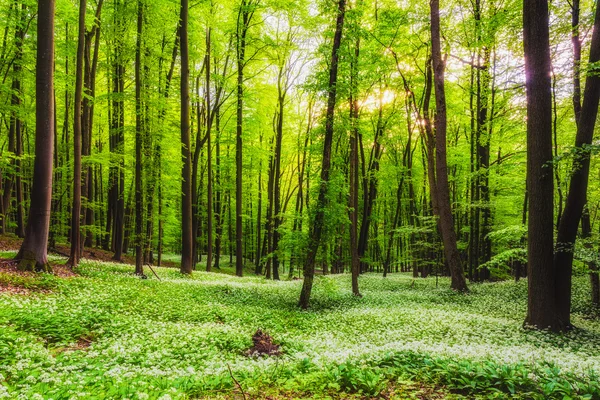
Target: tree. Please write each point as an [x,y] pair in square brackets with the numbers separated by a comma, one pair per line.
[139,191]
[187,262]
[77,132]
[576,198]
[317,224]
[541,307]
[244,19]
[33,252]
[446,223]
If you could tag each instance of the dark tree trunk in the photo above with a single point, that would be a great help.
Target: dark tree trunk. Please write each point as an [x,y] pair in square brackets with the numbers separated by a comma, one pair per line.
[90,68]
[77,133]
[219,208]
[576,198]
[187,262]
[268,242]
[16,124]
[258,255]
[277,218]
[116,189]
[354,172]
[586,233]
[318,223]
[139,192]
[209,122]
[370,187]
[33,252]
[443,193]
[541,311]
[245,15]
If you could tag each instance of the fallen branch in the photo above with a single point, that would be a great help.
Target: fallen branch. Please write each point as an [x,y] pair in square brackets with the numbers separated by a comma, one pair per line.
[152,269]
[236,382]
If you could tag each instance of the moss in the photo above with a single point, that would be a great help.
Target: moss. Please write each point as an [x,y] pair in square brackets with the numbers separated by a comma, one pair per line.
[28,263]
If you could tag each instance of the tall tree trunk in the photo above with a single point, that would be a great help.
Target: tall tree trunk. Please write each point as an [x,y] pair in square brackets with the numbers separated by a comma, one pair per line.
[576,198]
[90,68]
[219,208]
[258,255]
[139,191]
[245,15]
[443,193]
[541,311]
[187,262]
[33,252]
[277,218]
[76,208]
[16,124]
[354,171]
[318,223]
[209,122]
[370,185]
[117,179]
[268,242]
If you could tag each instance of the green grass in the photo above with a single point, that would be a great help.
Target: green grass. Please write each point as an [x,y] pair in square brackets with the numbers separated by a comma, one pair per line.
[178,338]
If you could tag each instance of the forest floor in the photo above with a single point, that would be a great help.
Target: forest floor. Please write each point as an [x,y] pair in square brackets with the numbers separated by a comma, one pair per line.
[104,333]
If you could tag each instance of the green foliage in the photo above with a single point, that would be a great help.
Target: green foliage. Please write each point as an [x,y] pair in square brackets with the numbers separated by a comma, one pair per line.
[179,337]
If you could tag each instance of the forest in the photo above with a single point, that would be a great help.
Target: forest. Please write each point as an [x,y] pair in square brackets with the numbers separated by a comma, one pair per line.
[288,199]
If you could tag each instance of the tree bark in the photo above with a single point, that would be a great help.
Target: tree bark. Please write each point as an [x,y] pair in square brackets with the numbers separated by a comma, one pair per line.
[187,262]
[443,192]
[354,171]
[33,252]
[139,192]
[576,198]
[245,15]
[541,311]
[209,122]
[318,223]
[77,133]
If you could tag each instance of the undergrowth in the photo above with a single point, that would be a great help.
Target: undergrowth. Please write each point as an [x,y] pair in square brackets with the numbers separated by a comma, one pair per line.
[108,334]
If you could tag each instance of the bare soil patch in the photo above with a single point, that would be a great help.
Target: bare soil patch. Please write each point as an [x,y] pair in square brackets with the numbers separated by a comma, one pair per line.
[263,345]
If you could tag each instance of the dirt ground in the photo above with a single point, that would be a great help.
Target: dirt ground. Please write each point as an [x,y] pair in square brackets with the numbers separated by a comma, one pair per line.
[13,243]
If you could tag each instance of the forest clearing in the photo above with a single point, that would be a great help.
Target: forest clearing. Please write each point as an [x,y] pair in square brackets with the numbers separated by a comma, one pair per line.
[105,333]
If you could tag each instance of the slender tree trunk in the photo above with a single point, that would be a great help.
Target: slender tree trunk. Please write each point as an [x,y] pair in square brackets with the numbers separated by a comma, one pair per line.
[90,69]
[319,218]
[139,192]
[33,252]
[277,219]
[245,14]
[209,121]
[219,209]
[354,172]
[370,185]
[77,133]
[187,262]
[443,193]
[16,124]
[258,254]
